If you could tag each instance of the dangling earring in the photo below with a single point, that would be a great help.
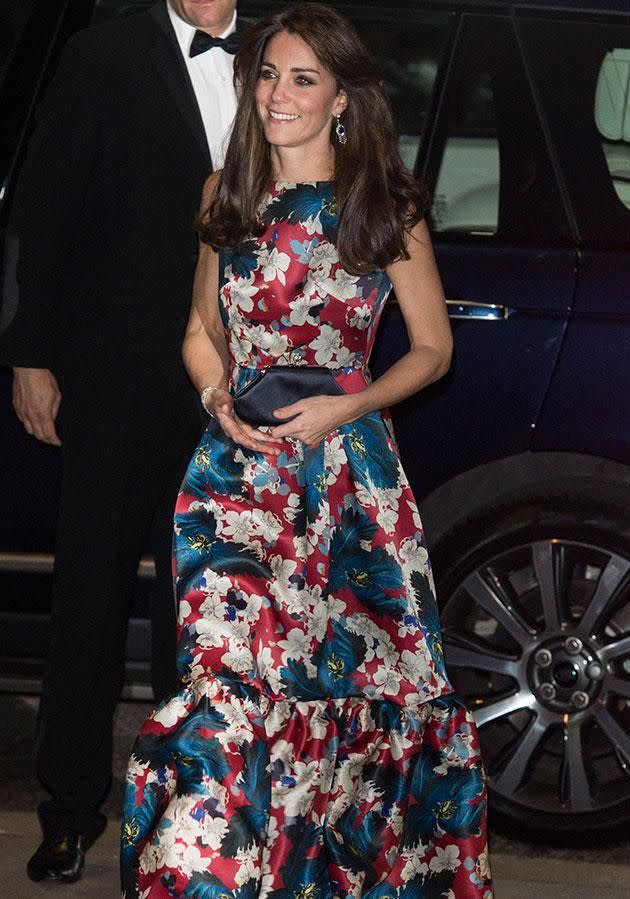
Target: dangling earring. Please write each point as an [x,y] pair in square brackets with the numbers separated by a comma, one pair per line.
[340,131]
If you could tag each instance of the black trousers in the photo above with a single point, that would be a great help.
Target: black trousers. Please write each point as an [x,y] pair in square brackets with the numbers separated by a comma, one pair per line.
[116,492]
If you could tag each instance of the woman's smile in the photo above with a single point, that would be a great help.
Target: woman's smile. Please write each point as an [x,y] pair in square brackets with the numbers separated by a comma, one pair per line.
[282,116]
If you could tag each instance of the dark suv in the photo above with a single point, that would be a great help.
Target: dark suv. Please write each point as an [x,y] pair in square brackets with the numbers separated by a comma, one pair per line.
[518,116]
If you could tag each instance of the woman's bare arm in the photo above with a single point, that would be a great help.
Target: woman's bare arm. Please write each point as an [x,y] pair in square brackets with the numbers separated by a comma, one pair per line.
[205,350]
[421,300]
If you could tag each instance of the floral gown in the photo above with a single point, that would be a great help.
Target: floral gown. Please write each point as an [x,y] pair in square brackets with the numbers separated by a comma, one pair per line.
[315,749]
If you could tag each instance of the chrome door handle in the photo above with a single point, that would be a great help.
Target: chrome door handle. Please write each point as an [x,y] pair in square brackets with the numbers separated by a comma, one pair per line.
[484,311]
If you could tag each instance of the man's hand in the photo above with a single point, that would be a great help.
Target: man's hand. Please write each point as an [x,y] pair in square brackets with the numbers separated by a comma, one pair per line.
[36,400]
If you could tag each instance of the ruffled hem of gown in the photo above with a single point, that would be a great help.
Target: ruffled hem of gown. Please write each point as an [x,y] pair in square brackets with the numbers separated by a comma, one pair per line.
[232,795]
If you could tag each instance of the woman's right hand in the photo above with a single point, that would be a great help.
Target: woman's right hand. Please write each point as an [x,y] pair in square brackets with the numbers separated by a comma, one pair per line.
[219,404]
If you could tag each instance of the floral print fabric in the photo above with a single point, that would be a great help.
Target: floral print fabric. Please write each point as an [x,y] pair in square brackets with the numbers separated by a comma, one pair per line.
[316,750]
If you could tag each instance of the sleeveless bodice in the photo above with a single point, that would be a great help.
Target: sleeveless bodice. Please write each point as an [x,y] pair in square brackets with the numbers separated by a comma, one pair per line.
[285,297]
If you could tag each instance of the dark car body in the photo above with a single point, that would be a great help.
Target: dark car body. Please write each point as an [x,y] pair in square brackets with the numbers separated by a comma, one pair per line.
[517,115]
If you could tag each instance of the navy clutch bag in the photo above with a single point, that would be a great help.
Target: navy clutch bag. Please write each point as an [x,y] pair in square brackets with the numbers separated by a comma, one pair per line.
[280,385]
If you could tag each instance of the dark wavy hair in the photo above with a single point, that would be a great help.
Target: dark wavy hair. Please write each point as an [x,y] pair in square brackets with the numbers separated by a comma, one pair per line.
[378,200]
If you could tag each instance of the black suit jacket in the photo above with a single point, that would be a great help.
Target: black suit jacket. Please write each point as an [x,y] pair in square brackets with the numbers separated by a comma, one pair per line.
[101,231]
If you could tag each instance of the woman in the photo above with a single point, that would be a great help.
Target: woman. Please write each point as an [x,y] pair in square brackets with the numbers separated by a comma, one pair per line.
[316,750]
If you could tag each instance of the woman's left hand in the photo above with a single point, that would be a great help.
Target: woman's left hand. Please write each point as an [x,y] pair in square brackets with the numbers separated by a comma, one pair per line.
[316,416]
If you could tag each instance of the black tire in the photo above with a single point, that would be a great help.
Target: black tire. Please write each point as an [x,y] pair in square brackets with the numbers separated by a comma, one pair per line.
[557,773]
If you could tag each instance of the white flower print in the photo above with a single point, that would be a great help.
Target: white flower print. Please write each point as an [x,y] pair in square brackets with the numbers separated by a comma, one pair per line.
[216,583]
[213,830]
[365,496]
[396,820]
[417,522]
[326,344]
[275,265]
[334,455]
[312,225]
[267,668]
[388,679]
[184,611]
[237,722]
[414,554]
[386,651]
[240,660]
[415,666]
[161,851]
[282,751]
[483,865]
[266,525]
[457,753]
[300,546]
[375,637]
[414,867]
[279,585]
[241,293]
[282,569]
[298,645]
[171,713]
[446,859]
[399,743]
[319,620]
[180,812]
[274,343]
[211,639]
[344,357]
[359,317]
[301,310]
[213,606]
[134,769]
[236,526]
[279,713]
[343,286]
[387,518]
[294,800]
[248,870]
[324,256]
[350,771]
[291,509]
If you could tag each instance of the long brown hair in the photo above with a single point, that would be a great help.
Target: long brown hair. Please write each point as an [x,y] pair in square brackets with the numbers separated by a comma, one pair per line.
[377,199]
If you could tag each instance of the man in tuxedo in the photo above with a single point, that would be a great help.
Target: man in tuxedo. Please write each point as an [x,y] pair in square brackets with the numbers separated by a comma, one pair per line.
[101,252]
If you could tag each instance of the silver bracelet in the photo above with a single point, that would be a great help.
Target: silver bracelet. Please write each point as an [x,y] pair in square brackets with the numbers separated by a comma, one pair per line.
[203,396]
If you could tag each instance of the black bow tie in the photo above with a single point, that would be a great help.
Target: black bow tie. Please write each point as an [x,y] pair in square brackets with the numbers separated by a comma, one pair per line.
[202,42]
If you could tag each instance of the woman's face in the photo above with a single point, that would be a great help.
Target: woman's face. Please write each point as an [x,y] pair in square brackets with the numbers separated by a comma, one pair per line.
[296,96]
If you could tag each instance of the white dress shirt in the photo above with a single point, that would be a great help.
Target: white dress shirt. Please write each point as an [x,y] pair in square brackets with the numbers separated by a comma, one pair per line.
[211,74]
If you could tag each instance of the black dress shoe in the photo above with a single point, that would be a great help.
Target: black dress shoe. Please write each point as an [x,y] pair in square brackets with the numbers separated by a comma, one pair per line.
[58,857]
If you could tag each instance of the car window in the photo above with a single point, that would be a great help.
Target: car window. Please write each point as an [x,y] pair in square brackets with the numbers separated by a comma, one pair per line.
[492,170]
[585,91]
[612,118]
[408,54]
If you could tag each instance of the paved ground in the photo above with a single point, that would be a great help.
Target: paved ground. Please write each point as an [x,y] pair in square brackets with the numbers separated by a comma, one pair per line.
[522,870]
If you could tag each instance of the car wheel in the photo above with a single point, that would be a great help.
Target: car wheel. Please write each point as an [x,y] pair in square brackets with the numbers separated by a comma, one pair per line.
[536,622]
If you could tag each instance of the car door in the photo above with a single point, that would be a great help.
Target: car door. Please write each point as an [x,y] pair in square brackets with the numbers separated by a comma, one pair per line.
[585,95]
[506,253]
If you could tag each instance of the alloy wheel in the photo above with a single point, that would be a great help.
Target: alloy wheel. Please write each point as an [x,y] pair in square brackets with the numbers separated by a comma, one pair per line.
[537,640]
